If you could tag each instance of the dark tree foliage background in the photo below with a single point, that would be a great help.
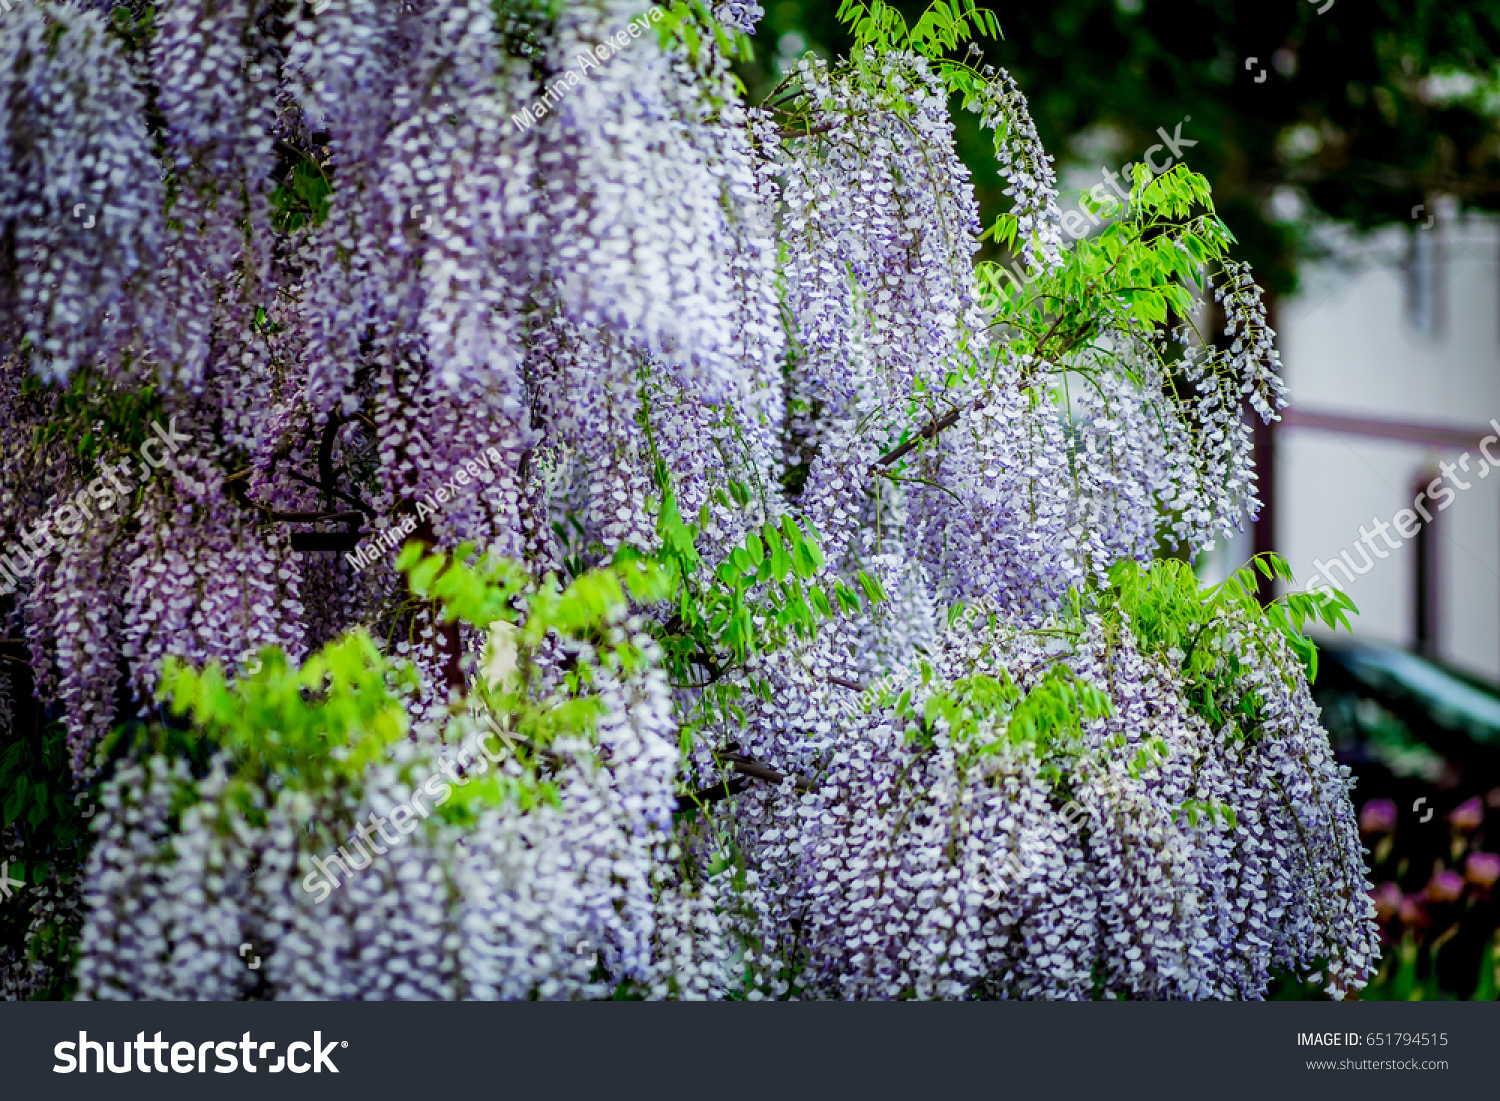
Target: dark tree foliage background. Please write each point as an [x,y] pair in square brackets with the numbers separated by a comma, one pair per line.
[1345,108]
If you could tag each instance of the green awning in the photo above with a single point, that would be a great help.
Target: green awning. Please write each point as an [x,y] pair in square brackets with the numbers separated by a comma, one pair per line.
[1451,701]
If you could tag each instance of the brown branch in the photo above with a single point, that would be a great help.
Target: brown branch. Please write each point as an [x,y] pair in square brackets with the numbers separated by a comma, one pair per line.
[947,420]
[842,683]
[806,131]
[306,517]
[758,771]
[1077,339]
[334,491]
[748,768]
[707,661]
[1040,344]
[325,451]
[242,495]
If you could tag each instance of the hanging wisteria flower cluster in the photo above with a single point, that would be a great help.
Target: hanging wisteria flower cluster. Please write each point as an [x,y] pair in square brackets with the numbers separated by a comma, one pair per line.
[794,569]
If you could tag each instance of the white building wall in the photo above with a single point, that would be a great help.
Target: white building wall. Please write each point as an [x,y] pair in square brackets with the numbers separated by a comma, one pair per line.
[1384,332]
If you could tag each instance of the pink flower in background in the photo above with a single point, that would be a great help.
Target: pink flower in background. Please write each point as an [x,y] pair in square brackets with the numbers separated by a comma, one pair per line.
[1483,869]
[1388,899]
[1468,815]
[1377,816]
[1411,910]
[1446,887]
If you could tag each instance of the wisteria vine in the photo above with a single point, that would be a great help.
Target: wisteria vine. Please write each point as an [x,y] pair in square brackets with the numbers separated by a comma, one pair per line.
[802,566]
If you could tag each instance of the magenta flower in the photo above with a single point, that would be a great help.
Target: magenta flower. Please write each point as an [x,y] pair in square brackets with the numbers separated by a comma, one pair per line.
[1377,816]
[1388,899]
[1483,869]
[1446,887]
[1468,815]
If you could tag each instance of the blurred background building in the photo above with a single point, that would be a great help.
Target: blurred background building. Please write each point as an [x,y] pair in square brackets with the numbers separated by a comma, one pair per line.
[1391,349]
